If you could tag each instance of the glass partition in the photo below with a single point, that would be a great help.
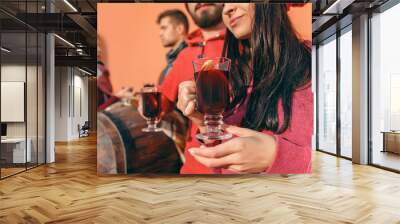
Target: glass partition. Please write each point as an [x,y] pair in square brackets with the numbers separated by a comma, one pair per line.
[14,153]
[385,89]
[346,93]
[22,88]
[327,96]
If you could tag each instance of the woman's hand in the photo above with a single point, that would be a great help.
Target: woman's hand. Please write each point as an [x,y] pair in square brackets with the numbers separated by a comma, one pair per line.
[250,152]
[187,103]
[125,93]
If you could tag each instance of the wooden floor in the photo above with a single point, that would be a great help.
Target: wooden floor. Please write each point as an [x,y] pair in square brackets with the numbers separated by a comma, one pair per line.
[5,172]
[69,191]
[10,171]
[387,159]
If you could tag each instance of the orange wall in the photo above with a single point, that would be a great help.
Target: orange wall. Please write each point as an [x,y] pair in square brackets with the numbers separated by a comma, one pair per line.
[302,20]
[129,34]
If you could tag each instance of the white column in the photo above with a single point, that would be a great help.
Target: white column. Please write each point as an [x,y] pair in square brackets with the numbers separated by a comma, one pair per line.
[50,92]
[50,110]
[360,90]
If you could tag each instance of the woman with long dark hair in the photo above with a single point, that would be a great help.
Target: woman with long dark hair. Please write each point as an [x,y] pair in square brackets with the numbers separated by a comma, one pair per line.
[272,101]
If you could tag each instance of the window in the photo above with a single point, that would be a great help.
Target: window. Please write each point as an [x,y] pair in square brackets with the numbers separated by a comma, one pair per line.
[327,96]
[385,88]
[346,92]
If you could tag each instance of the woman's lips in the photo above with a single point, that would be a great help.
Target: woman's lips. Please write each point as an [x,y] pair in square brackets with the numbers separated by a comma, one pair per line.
[235,20]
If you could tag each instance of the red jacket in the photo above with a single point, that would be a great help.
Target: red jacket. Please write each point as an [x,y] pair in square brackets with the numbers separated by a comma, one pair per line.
[293,146]
[182,70]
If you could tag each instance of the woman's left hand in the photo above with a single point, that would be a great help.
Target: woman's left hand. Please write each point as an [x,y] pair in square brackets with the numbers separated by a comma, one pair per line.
[250,152]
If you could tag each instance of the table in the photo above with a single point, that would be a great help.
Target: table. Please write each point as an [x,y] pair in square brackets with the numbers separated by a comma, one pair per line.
[391,141]
[13,150]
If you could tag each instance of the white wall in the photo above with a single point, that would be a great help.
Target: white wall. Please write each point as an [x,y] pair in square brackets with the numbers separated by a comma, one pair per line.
[71,94]
[61,103]
[16,73]
[12,73]
[80,110]
[33,127]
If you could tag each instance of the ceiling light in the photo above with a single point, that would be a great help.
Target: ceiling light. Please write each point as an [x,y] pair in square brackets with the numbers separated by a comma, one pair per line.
[70,5]
[80,51]
[65,41]
[5,50]
[337,7]
[84,71]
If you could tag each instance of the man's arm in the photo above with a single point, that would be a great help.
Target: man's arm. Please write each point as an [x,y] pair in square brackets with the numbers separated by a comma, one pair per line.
[177,74]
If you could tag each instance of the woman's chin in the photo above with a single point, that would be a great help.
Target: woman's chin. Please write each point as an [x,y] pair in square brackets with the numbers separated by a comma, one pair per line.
[241,35]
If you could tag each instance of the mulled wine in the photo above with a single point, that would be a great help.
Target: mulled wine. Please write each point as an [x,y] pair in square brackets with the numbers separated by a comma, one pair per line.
[151,103]
[212,93]
[150,100]
[212,89]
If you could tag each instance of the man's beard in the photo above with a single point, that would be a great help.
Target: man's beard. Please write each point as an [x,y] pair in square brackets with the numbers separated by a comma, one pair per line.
[208,19]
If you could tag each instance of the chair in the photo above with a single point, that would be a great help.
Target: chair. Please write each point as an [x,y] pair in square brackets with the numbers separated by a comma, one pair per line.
[84,130]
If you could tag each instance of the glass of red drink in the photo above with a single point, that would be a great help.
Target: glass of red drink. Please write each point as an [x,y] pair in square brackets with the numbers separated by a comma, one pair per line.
[151,107]
[212,95]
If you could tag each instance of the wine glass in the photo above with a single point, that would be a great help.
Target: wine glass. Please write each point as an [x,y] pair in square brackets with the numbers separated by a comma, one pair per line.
[151,107]
[212,95]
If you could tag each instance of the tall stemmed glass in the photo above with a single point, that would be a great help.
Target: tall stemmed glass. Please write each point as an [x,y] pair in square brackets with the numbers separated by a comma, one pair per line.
[212,92]
[151,107]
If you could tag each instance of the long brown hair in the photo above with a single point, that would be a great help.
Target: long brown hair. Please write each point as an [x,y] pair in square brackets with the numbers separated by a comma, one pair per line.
[281,63]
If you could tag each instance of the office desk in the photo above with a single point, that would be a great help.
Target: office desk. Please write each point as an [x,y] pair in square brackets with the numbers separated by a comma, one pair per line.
[391,141]
[13,150]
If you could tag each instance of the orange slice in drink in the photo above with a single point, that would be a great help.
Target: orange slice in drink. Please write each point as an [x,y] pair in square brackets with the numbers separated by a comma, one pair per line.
[207,65]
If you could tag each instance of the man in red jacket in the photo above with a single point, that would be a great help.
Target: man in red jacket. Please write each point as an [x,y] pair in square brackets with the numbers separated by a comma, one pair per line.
[207,41]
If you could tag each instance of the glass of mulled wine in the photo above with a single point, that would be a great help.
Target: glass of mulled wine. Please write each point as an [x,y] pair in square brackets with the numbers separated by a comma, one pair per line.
[151,107]
[212,95]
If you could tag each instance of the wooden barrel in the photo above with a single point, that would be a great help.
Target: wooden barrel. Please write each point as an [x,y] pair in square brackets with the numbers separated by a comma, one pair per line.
[122,147]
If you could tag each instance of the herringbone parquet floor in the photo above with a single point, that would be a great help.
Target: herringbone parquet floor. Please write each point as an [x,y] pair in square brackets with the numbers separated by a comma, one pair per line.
[69,191]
